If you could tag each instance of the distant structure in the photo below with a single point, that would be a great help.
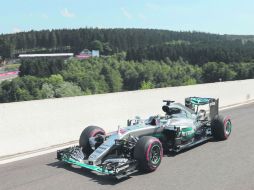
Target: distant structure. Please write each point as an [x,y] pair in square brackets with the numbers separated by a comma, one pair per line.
[86,54]
[38,50]
[95,53]
[63,55]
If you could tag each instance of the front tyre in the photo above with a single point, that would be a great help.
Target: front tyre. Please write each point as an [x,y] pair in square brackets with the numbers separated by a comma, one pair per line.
[221,127]
[148,152]
[88,132]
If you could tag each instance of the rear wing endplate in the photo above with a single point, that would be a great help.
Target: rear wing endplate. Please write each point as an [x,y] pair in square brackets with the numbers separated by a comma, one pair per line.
[214,108]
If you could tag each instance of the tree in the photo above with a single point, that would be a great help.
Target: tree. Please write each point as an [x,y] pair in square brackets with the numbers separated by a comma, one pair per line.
[47,91]
[140,44]
[130,76]
[53,39]
[97,45]
[41,67]
[113,74]
[107,50]
[112,78]
[67,89]
[5,49]
[213,72]
[55,80]
[146,85]
[23,95]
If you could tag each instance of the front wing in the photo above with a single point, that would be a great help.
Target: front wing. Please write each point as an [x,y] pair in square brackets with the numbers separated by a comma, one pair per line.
[69,155]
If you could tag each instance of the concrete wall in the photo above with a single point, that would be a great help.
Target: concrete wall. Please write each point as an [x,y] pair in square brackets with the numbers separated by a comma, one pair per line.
[26,126]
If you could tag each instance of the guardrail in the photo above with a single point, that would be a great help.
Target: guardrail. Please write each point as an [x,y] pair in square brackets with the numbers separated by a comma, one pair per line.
[27,126]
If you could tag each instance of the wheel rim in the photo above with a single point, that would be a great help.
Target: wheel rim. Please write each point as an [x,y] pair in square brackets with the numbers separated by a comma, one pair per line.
[155,154]
[228,128]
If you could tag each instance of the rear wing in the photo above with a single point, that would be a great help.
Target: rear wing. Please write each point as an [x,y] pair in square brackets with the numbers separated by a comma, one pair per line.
[194,102]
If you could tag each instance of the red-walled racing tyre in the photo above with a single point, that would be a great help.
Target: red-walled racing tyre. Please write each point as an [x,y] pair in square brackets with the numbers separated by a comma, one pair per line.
[88,132]
[148,151]
[221,127]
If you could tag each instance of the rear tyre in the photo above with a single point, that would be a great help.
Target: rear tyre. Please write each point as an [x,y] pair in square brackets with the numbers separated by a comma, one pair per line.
[148,152]
[221,127]
[88,132]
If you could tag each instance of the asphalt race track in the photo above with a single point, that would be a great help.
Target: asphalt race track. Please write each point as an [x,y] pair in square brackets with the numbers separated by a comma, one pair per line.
[213,165]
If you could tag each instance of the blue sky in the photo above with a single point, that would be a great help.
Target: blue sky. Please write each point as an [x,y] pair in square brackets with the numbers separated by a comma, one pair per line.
[214,16]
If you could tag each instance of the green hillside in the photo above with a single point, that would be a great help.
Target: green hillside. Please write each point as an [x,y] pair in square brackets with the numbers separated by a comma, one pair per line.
[140,44]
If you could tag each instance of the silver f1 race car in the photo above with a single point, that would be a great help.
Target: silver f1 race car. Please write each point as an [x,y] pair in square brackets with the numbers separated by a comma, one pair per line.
[140,145]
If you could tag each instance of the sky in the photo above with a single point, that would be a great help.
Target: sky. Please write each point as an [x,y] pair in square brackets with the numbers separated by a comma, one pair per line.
[213,16]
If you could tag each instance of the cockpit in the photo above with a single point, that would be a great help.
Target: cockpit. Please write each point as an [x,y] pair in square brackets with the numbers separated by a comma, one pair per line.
[177,110]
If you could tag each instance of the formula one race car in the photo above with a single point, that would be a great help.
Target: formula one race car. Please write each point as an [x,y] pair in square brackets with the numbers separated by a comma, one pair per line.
[141,144]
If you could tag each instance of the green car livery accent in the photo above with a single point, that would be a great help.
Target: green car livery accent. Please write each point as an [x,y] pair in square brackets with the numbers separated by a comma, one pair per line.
[90,167]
